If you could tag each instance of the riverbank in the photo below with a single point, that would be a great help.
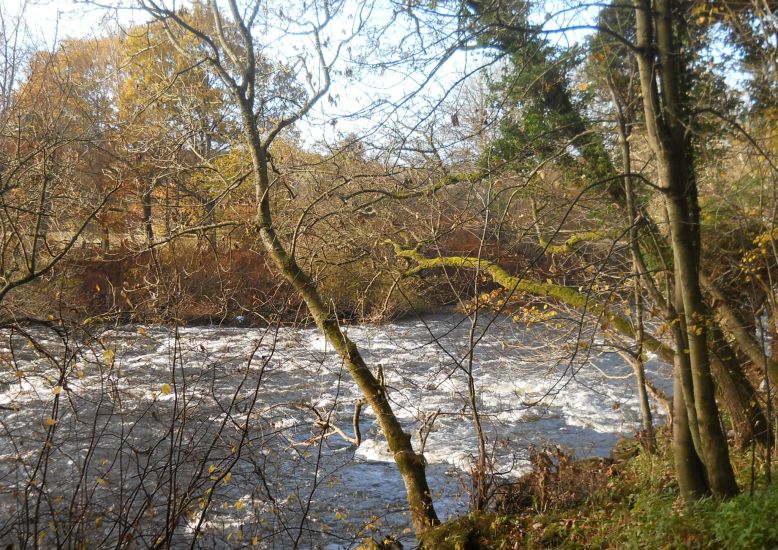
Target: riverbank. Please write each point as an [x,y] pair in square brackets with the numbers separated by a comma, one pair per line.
[632,503]
[187,285]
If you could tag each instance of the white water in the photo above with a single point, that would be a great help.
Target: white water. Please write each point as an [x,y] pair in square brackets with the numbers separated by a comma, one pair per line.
[114,417]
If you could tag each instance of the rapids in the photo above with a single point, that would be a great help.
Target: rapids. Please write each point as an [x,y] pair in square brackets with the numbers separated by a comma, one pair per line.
[129,432]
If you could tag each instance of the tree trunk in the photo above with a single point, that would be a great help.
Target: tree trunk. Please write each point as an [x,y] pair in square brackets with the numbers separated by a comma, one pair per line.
[737,394]
[647,420]
[148,226]
[714,444]
[688,467]
[635,360]
[240,77]
[736,326]
[666,129]
[410,464]
[682,363]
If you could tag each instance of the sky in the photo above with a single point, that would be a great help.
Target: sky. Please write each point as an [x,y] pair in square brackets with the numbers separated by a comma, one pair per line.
[51,20]
[383,91]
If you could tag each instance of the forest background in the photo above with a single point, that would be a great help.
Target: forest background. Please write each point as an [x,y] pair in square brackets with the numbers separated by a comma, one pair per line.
[338,162]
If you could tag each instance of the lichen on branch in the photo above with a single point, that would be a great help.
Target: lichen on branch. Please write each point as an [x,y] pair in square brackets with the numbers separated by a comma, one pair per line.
[608,318]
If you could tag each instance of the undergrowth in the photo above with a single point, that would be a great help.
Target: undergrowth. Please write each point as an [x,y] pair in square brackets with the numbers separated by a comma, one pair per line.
[637,506]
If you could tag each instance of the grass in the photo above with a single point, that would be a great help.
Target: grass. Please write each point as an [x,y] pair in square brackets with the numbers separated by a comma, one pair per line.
[638,507]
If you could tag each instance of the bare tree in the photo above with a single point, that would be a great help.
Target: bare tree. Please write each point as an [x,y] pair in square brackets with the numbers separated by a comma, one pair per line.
[229,46]
[45,146]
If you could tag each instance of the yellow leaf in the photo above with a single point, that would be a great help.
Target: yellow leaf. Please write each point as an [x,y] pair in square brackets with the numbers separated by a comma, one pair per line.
[699,9]
[227,477]
[142,331]
[56,390]
[255,541]
[102,481]
[166,391]
[19,374]
[212,469]
[583,86]
[108,356]
[98,523]
[239,505]
[51,421]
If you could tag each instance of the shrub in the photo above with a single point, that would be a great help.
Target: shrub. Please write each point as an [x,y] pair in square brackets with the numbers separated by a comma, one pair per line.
[747,521]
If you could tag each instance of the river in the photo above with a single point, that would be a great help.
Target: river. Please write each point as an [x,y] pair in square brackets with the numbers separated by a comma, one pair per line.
[129,433]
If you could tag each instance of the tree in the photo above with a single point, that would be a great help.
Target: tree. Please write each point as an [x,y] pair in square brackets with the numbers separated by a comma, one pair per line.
[175,126]
[505,24]
[232,52]
[662,74]
[54,126]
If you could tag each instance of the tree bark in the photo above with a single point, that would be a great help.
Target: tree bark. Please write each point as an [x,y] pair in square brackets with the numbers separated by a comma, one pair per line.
[714,444]
[410,464]
[658,59]
[688,467]
[736,326]
[682,362]
[737,394]
[148,227]
[635,360]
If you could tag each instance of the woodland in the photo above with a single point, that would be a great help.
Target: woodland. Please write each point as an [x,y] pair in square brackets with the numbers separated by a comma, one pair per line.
[607,172]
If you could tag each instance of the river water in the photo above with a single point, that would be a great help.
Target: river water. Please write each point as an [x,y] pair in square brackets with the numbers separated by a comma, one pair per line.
[129,434]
